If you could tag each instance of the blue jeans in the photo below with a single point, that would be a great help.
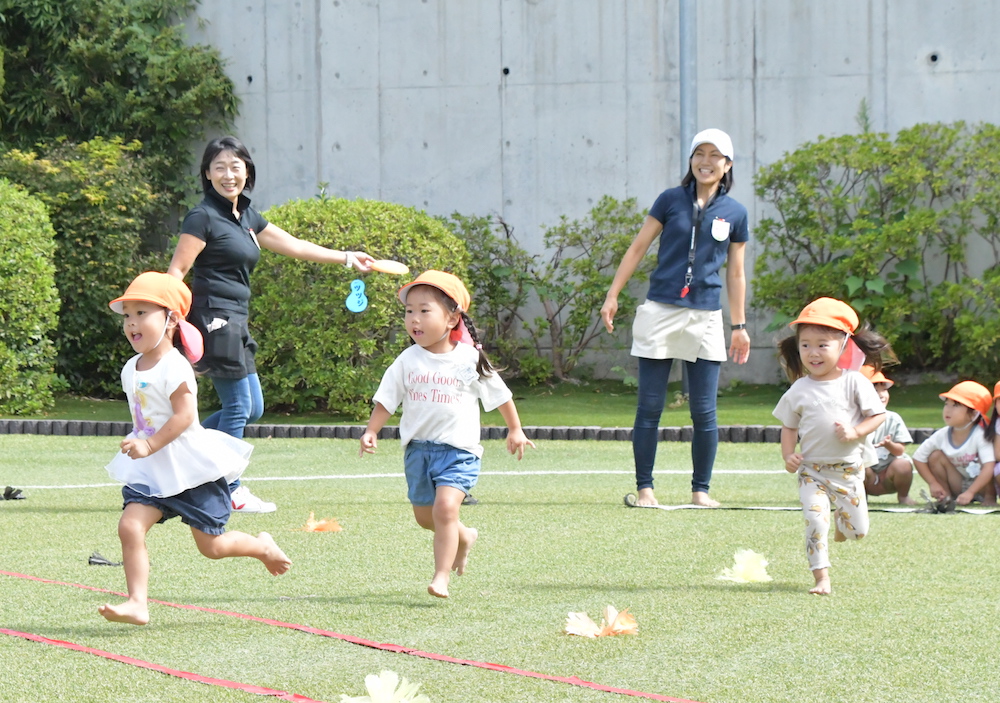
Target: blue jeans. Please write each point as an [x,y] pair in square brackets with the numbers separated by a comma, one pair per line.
[703,381]
[242,404]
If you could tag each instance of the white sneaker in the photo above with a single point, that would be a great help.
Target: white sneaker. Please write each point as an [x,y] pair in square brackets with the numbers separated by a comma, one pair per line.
[246,502]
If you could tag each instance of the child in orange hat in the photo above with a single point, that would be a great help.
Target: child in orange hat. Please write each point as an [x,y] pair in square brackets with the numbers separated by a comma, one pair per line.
[171,466]
[957,461]
[440,381]
[830,411]
[894,471]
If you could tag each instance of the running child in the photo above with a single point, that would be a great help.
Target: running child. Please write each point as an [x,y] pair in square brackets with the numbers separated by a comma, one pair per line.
[440,381]
[171,466]
[831,411]
[894,471]
[957,461]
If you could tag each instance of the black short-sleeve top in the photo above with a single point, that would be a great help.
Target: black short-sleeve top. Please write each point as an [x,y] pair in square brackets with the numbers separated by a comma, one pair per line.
[221,273]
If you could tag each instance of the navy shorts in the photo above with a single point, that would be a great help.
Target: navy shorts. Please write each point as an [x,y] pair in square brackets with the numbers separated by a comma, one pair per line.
[432,464]
[206,508]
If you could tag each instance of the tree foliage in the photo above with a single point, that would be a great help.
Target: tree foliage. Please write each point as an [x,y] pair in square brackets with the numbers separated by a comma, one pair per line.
[97,201]
[81,69]
[906,229]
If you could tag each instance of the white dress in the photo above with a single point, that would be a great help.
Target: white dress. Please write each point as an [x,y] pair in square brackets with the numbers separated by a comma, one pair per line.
[196,457]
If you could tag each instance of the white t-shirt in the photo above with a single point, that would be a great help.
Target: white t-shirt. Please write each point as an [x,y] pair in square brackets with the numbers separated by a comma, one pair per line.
[894,427]
[197,456]
[440,394]
[813,407]
[968,458]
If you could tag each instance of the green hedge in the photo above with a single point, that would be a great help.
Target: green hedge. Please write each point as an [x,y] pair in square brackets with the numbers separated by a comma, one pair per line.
[99,203]
[905,228]
[28,302]
[314,353]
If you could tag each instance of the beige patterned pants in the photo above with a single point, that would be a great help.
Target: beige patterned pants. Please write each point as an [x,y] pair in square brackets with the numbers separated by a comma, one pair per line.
[841,485]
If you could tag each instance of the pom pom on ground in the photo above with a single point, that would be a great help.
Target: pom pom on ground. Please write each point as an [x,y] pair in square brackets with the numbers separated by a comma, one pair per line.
[748,567]
[612,623]
[326,525]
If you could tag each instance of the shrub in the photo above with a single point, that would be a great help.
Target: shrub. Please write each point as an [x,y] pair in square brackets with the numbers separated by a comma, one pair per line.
[315,354]
[569,283]
[572,282]
[98,202]
[498,267]
[28,302]
[887,225]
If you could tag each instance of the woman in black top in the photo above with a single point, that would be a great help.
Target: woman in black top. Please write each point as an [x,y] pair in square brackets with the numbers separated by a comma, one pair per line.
[220,243]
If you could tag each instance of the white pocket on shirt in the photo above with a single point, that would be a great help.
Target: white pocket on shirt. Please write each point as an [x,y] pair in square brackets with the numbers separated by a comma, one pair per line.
[720,230]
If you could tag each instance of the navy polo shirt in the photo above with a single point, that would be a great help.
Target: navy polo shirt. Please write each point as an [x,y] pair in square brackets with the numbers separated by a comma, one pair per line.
[674,209]
[221,273]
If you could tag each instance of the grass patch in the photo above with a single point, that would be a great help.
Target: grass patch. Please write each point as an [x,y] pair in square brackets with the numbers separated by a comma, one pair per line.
[907,622]
[601,403]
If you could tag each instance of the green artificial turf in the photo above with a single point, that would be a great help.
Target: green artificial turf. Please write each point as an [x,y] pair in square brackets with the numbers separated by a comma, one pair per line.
[911,618]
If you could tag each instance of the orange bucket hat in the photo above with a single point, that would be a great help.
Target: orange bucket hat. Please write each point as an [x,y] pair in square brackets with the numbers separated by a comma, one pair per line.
[996,391]
[869,372]
[971,395]
[168,292]
[448,283]
[828,312]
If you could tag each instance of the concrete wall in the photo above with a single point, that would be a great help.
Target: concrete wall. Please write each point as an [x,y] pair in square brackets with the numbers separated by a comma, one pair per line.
[536,108]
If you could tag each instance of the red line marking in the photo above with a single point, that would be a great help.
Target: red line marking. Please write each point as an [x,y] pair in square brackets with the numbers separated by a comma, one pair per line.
[198,678]
[386,647]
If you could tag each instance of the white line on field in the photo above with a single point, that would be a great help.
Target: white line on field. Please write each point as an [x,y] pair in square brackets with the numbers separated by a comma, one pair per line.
[256,479]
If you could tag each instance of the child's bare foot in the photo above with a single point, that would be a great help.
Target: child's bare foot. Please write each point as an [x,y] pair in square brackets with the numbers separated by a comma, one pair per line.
[129,612]
[274,559]
[439,587]
[701,498]
[644,496]
[822,587]
[906,500]
[838,536]
[464,547]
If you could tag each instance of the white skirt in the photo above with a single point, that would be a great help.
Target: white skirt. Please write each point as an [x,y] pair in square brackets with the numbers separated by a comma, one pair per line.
[197,457]
[663,331]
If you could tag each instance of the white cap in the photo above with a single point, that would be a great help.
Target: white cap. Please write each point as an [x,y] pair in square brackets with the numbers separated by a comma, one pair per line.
[717,137]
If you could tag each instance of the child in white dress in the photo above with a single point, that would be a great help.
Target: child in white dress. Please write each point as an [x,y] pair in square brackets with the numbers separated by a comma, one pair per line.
[440,382]
[831,411]
[171,466]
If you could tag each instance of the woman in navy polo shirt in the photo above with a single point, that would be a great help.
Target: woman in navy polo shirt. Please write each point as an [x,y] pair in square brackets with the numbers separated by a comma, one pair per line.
[220,241]
[700,228]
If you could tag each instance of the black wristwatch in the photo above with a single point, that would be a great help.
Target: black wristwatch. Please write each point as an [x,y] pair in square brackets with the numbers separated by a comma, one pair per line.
[741,326]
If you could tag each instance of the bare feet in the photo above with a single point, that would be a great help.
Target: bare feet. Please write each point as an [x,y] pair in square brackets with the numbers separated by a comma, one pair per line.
[274,559]
[129,612]
[439,587]
[822,587]
[907,500]
[464,547]
[701,498]
[644,496]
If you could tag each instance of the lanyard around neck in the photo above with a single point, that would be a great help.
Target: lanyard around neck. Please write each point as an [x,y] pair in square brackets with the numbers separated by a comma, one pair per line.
[697,215]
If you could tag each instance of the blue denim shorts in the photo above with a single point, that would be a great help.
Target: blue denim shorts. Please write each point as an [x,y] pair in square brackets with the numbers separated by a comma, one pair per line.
[205,508]
[432,464]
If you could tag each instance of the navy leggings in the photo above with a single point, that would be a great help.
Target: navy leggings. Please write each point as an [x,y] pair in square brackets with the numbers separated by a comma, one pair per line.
[703,380]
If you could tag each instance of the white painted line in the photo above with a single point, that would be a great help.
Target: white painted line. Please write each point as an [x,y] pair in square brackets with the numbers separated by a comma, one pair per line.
[256,479]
